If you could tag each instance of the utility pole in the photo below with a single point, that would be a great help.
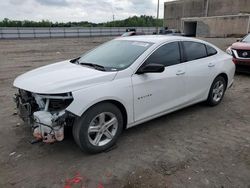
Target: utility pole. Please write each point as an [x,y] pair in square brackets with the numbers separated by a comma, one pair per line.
[113,16]
[207,6]
[158,6]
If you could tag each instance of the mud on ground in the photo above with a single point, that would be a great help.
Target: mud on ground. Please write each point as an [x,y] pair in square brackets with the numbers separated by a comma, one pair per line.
[198,146]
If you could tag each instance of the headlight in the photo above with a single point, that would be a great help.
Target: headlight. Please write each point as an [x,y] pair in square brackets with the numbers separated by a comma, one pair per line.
[229,51]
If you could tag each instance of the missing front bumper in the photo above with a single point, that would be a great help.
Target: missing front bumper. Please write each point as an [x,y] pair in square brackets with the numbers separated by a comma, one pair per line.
[48,126]
[23,109]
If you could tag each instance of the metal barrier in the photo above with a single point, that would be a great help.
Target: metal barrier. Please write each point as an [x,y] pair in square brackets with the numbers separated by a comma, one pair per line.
[56,32]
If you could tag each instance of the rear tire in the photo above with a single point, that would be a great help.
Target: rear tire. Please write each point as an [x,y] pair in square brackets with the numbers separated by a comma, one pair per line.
[217,91]
[98,128]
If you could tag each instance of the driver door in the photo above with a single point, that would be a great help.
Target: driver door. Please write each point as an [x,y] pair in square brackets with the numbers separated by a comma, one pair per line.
[156,93]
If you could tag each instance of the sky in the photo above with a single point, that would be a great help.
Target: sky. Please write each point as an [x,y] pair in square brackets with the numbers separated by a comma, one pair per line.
[77,10]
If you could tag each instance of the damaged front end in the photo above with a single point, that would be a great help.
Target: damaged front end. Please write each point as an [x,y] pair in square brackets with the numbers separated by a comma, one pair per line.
[46,114]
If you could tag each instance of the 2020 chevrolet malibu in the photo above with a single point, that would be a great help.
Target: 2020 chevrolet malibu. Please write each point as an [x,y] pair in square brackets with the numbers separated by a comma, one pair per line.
[122,83]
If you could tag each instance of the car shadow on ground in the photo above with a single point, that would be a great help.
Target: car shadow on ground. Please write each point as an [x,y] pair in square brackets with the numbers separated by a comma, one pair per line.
[162,123]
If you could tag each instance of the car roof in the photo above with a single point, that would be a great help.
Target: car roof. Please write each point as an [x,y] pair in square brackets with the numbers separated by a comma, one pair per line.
[158,39]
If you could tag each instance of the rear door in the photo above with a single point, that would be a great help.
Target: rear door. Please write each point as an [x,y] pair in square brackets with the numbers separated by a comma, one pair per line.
[200,64]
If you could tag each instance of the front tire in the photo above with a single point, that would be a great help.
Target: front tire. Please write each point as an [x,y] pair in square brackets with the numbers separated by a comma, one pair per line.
[217,91]
[98,128]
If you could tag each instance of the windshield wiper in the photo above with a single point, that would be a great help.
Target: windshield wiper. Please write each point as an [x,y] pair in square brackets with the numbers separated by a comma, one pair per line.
[96,66]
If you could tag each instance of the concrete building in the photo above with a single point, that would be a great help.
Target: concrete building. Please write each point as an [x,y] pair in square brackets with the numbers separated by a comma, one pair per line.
[208,18]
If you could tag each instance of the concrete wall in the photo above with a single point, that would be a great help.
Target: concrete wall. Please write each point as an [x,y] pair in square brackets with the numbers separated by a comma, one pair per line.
[245,6]
[175,10]
[220,26]
[173,23]
[187,8]
[224,7]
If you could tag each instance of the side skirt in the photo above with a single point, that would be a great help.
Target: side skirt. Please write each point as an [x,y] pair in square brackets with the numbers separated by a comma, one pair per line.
[163,113]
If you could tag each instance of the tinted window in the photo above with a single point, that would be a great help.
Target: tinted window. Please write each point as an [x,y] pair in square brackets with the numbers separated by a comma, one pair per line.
[167,55]
[194,50]
[211,51]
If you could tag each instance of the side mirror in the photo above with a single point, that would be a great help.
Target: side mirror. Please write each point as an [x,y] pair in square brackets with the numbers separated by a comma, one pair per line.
[151,68]
[238,40]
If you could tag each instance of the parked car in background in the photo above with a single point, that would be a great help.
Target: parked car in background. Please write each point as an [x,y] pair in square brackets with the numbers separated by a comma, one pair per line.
[132,33]
[241,54]
[120,84]
[173,32]
[130,29]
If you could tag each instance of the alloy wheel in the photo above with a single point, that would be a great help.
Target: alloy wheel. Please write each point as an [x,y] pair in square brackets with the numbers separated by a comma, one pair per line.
[102,129]
[218,91]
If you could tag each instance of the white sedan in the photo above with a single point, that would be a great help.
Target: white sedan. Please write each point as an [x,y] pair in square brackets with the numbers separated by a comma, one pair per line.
[120,84]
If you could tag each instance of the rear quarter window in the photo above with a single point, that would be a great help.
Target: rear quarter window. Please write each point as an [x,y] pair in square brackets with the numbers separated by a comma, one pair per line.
[210,50]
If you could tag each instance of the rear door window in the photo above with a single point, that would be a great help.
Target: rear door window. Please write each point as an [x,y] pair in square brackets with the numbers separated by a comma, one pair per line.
[194,50]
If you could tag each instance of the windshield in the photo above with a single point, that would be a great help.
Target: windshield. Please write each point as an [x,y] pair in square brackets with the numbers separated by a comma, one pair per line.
[246,39]
[116,54]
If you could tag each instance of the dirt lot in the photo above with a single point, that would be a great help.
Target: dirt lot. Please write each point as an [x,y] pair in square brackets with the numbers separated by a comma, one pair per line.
[198,146]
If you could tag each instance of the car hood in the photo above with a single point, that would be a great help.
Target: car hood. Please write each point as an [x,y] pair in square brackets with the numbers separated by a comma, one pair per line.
[241,46]
[61,77]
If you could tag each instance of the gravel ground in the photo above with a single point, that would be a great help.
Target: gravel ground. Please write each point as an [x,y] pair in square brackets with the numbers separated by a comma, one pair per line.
[198,146]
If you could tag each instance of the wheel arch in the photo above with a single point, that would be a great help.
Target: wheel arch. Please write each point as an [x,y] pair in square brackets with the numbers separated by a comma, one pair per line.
[118,104]
[225,76]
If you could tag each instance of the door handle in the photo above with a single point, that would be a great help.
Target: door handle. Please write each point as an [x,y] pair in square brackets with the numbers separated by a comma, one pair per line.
[180,72]
[211,65]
